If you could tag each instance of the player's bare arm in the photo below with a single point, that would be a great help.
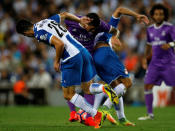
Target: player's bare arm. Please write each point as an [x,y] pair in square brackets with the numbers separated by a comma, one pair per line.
[125,11]
[147,56]
[59,47]
[72,17]
[168,45]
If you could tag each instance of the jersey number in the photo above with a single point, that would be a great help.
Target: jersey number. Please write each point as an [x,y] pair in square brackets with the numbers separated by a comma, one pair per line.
[55,25]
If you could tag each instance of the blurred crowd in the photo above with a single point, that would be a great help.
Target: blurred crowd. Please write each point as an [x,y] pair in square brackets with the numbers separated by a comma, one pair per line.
[22,58]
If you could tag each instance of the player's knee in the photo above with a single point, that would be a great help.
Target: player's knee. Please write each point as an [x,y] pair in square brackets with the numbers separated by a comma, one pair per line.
[68,96]
[127,82]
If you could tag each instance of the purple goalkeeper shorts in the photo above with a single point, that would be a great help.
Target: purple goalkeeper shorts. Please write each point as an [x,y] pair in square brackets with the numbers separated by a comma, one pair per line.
[156,74]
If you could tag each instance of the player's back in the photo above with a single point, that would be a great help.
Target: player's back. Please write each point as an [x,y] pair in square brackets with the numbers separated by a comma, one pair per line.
[156,37]
[84,37]
[45,29]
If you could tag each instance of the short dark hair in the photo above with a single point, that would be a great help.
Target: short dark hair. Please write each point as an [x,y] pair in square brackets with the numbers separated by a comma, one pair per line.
[160,7]
[95,19]
[23,25]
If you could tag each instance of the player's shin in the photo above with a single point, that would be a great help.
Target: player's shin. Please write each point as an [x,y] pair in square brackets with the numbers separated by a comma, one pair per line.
[80,102]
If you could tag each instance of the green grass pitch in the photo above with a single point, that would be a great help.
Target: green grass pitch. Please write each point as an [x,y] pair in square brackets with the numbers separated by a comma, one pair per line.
[56,119]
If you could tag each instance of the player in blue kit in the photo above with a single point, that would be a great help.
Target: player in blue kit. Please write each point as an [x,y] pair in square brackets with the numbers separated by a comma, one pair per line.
[85,34]
[109,67]
[75,60]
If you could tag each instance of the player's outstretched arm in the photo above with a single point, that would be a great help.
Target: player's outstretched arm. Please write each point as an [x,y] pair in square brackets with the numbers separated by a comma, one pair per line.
[59,47]
[72,17]
[125,11]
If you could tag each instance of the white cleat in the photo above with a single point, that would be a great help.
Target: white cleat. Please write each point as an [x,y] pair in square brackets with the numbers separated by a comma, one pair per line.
[147,117]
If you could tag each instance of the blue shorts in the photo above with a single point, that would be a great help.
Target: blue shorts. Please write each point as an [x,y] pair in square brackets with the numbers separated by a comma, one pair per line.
[79,68]
[108,65]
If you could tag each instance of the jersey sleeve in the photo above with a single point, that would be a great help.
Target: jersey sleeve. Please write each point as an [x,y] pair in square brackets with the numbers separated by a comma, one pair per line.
[114,21]
[172,33]
[104,27]
[43,36]
[56,18]
[148,37]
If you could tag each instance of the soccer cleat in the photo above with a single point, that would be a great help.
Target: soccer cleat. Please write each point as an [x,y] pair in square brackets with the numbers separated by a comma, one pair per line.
[73,116]
[111,94]
[147,117]
[90,122]
[109,116]
[125,122]
[99,118]
[111,119]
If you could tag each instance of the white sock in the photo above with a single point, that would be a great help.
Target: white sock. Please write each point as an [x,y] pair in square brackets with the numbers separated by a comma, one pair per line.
[108,103]
[80,102]
[98,99]
[120,89]
[120,112]
[96,88]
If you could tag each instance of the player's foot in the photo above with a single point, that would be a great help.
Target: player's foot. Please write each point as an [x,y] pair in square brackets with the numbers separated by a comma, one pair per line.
[111,119]
[99,118]
[109,116]
[125,122]
[90,121]
[73,116]
[111,94]
[147,117]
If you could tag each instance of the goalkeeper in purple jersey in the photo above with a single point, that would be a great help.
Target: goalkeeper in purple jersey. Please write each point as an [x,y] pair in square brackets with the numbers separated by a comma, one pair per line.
[160,54]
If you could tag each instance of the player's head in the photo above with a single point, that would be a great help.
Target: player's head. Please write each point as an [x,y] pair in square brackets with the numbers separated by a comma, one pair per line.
[159,13]
[25,27]
[95,22]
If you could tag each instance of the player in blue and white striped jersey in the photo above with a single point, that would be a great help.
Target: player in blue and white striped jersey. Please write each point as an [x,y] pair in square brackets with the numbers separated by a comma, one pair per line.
[76,62]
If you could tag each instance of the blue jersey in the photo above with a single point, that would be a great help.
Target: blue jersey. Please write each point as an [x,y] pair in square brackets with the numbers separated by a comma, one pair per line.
[45,29]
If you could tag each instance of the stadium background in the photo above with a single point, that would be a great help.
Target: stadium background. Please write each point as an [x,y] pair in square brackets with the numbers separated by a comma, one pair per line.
[23,58]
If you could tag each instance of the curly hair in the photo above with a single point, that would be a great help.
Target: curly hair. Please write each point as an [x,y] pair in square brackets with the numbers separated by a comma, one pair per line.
[160,7]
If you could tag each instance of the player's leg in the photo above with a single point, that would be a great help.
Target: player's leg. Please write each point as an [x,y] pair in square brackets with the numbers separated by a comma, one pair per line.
[73,115]
[148,101]
[120,86]
[152,77]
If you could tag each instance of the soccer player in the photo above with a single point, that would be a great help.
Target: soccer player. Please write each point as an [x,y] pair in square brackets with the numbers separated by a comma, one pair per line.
[160,52]
[109,67]
[75,60]
[86,35]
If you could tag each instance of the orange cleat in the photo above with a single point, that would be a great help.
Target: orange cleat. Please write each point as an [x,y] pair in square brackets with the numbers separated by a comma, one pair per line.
[73,116]
[90,121]
[99,118]
[111,119]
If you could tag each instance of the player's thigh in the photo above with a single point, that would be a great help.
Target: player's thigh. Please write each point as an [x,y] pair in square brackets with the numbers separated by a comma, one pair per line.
[85,86]
[153,75]
[71,71]
[169,75]
[68,92]
[88,70]
[108,65]
[148,86]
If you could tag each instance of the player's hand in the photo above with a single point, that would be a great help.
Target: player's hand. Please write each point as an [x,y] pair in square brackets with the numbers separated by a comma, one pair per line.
[116,44]
[165,46]
[56,66]
[144,63]
[85,20]
[142,19]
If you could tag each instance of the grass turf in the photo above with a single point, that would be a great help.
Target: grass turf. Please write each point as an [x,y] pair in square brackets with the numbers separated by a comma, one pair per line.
[56,119]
